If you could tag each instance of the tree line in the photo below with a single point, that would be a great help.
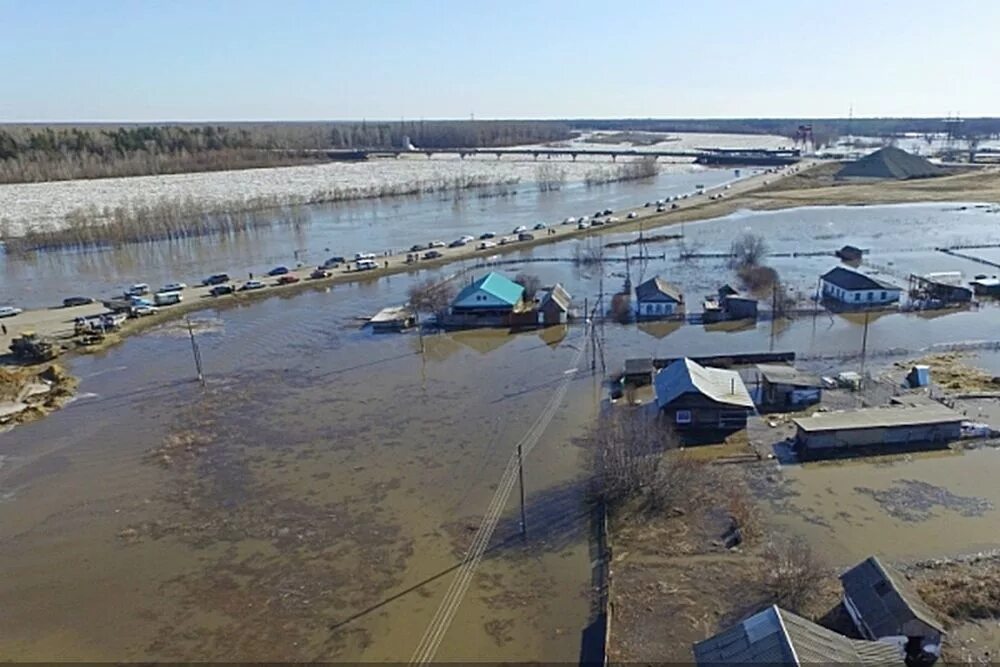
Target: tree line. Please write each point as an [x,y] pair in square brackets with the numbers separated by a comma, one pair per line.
[31,153]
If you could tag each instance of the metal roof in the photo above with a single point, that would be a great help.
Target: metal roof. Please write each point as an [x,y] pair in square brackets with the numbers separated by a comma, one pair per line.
[779,637]
[855,280]
[884,599]
[685,376]
[639,365]
[778,374]
[496,285]
[924,415]
[655,288]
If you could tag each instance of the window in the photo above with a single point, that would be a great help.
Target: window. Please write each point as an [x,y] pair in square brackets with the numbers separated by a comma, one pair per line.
[683,417]
[871,296]
[885,295]
[857,296]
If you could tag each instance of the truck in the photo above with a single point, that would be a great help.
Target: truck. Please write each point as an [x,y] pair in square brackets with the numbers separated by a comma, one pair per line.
[32,348]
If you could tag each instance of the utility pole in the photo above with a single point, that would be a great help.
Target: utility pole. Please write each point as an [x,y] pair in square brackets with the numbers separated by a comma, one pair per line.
[864,347]
[195,351]
[520,476]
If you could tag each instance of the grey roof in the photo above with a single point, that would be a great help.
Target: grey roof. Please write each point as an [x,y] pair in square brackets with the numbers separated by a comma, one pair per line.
[779,637]
[890,162]
[685,376]
[558,295]
[924,415]
[855,280]
[638,365]
[885,599]
[658,289]
[778,374]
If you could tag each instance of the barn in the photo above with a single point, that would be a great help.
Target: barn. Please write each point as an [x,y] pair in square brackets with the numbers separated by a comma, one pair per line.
[870,427]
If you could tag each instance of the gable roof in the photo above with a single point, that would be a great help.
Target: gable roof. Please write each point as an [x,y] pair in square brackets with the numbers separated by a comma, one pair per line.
[558,295]
[779,637]
[778,374]
[890,162]
[496,285]
[885,599]
[685,376]
[658,289]
[855,280]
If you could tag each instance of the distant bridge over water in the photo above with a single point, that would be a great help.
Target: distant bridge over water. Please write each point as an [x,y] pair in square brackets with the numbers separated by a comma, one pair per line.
[713,156]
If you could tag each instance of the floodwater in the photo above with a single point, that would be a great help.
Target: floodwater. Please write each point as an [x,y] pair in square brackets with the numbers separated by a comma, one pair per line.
[312,501]
[337,229]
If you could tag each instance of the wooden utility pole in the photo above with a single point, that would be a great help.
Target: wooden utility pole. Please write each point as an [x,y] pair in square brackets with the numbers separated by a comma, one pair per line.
[195,351]
[864,348]
[520,476]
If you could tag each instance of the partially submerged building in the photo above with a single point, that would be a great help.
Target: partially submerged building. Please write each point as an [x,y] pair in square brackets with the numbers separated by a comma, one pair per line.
[728,304]
[986,286]
[778,637]
[871,427]
[553,306]
[657,298]
[489,301]
[639,371]
[885,607]
[944,288]
[699,398]
[785,387]
[854,289]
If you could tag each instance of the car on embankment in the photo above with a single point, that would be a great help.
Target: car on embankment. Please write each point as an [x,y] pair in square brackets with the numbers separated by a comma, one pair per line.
[144,310]
[10,311]
[436,244]
[365,265]
[167,298]
[222,290]
[139,289]
[632,215]
[216,279]
[525,236]
[519,229]
[540,226]
[173,287]
[432,254]
[278,271]
[73,301]
[457,243]
[487,235]
[252,285]
[288,279]
[320,273]
[486,245]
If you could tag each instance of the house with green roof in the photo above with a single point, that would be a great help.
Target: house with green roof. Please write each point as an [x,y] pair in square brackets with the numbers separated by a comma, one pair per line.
[491,300]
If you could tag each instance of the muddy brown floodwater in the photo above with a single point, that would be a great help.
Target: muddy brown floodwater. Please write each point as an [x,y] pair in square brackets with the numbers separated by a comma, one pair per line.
[293,508]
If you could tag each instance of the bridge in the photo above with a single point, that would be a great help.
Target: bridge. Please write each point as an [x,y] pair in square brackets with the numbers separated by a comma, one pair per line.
[716,156]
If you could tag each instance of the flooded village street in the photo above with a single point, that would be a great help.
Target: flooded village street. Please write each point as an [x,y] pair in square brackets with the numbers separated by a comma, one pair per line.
[313,500]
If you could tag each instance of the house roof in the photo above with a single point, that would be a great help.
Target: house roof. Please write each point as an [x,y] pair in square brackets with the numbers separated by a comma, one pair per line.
[925,415]
[685,376]
[885,599]
[558,295]
[890,162]
[779,637]
[638,365]
[656,288]
[497,286]
[778,374]
[854,280]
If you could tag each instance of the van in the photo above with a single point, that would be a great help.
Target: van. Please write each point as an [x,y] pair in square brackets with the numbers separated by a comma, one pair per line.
[366,264]
[167,298]
[361,256]
[138,289]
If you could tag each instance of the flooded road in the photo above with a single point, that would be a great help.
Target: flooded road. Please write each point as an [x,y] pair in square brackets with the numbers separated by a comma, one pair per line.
[313,501]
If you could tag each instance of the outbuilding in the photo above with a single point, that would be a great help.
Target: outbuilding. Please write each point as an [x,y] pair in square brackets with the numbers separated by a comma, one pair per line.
[857,290]
[871,427]
[699,398]
[885,607]
[778,637]
[553,307]
[785,387]
[657,298]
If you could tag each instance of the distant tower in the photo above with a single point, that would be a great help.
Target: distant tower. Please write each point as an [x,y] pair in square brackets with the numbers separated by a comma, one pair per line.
[952,132]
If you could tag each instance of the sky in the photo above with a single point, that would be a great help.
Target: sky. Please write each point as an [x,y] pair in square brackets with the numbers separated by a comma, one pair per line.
[156,60]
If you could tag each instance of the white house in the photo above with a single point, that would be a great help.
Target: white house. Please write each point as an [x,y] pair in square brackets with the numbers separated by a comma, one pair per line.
[657,298]
[852,288]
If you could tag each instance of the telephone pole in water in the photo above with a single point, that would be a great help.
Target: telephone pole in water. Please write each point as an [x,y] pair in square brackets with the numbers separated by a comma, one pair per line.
[195,351]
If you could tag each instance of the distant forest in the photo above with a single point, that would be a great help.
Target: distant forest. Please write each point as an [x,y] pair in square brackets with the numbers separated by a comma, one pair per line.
[30,153]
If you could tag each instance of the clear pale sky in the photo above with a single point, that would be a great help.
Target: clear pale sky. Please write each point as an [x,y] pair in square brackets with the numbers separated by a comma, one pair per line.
[143,60]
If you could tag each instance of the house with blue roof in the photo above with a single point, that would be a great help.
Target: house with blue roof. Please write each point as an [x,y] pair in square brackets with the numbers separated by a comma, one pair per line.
[491,300]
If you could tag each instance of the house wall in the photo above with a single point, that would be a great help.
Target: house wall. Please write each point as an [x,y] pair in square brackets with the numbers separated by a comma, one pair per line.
[481,299]
[859,297]
[655,308]
[698,412]
[860,437]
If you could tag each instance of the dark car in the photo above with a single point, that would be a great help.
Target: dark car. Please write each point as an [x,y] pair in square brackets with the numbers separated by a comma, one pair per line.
[432,254]
[525,236]
[220,290]
[598,214]
[417,247]
[77,301]
[608,211]
[674,206]
[278,271]
[458,243]
[320,273]
[216,279]
[333,262]
[288,279]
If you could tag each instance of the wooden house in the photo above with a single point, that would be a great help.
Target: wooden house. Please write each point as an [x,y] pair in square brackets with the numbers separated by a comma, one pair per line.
[699,398]
[656,298]
[553,306]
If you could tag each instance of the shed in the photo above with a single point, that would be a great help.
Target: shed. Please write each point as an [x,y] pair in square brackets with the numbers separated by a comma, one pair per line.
[739,307]
[657,298]
[919,376]
[553,307]
[697,397]
[787,387]
[778,637]
[850,253]
[878,426]
[885,606]
[856,289]
[639,372]
[986,286]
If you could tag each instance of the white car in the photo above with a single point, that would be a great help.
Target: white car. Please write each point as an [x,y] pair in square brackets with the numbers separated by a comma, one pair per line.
[486,245]
[360,256]
[467,238]
[9,311]
[633,215]
[436,244]
[173,287]
[142,311]
[612,219]
[519,229]
[583,225]
[569,221]
[138,289]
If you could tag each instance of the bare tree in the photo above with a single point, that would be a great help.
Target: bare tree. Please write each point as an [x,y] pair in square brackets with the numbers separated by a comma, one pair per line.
[793,573]
[747,250]
[431,296]
[531,284]
[588,253]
